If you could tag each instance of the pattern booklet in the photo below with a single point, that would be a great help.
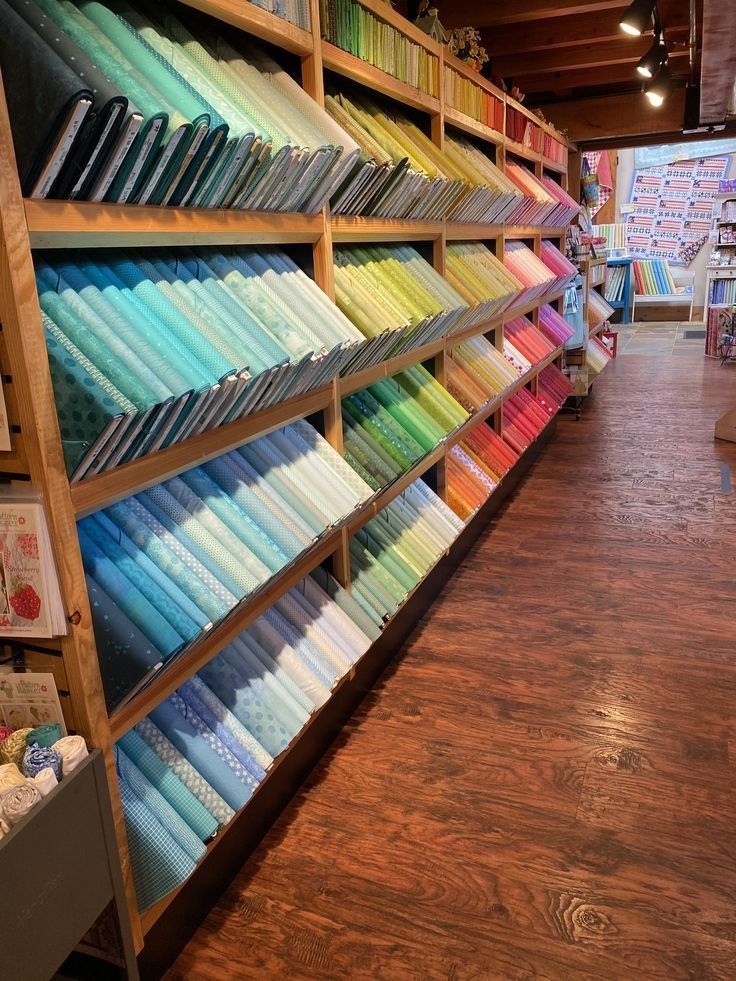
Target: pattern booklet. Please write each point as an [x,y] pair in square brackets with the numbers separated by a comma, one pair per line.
[30,600]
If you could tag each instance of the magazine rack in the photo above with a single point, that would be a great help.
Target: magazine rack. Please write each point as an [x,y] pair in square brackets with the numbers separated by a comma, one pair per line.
[37,452]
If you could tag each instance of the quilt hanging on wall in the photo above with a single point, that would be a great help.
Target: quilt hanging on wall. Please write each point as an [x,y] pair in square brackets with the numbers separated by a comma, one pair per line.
[672,208]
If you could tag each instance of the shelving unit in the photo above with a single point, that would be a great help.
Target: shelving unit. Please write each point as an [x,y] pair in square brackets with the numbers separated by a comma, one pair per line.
[718,271]
[37,452]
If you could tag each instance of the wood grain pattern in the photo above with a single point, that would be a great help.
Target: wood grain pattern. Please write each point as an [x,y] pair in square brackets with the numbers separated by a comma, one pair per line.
[543,783]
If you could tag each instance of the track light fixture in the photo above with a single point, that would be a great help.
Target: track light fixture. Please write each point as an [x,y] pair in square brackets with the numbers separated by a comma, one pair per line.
[655,57]
[659,87]
[638,17]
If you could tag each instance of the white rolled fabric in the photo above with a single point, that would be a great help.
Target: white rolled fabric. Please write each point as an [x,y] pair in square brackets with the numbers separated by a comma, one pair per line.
[10,776]
[45,781]
[16,802]
[72,750]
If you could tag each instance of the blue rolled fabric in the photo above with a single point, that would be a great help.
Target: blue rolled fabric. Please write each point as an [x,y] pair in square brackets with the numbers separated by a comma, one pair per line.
[37,758]
[185,703]
[159,863]
[196,815]
[191,697]
[152,569]
[45,735]
[130,600]
[136,574]
[190,744]
[164,813]
[236,694]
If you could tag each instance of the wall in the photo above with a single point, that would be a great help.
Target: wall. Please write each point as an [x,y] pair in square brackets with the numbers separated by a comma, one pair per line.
[624,179]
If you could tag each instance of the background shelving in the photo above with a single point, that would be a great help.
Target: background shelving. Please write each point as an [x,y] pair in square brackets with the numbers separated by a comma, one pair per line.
[494,120]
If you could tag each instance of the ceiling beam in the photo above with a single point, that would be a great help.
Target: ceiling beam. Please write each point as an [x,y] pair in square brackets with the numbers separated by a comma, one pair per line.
[582,78]
[564,32]
[624,115]
[718,62]
[463,12]
[625,50]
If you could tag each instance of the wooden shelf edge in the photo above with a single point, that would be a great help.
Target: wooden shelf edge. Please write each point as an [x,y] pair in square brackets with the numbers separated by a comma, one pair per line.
[260,23]
[83,224]
[114,485]
[384,369]
[459,119]
[352,67]
[364,228]
[549,164]
[520,310]
[519,150]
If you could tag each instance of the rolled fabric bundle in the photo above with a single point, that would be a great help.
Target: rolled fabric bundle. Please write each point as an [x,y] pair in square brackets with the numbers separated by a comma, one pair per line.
[72,750]
[5,731]
[13,748]
[10,776]
[45,781]
[45,735]
[37,758]
[16,802]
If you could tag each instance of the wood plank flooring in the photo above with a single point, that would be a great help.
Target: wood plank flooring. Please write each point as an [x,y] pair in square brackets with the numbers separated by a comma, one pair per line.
[544,783]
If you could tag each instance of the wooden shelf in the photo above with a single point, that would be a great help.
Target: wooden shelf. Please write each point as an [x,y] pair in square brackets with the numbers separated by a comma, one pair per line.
[472,126]
[349,228]
[460,231]
[353,383]
[519,150]
[81,224]
[559,168]
[349,66]
[259,23]
[114,485]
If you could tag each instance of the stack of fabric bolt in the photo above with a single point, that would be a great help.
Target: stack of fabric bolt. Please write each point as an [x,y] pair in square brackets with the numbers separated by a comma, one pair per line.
[167,563]
[149,349]
[563,270]
[553,388]
[394,297]
[477,372]
[389,426]
[197,759]
[554,326]
[527,340]
[396,549]
[523,420]
[536,277]
[167,111]
[482,280]
[475,468]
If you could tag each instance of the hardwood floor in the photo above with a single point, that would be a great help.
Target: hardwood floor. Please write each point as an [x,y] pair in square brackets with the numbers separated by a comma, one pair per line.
[544,783]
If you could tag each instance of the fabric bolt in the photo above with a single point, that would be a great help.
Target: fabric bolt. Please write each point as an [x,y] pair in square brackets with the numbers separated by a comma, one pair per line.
[157,804]
[188,741]
[10,776]
[16,802]
[37,758]
[228,746]
[158,861]
[45,781]
[192,779]
[45,735]
[73,751]
[217,711]
[171,788]
[13,747]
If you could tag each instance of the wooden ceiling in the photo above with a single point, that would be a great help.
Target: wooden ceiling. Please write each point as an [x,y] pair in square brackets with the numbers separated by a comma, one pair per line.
[562,50]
